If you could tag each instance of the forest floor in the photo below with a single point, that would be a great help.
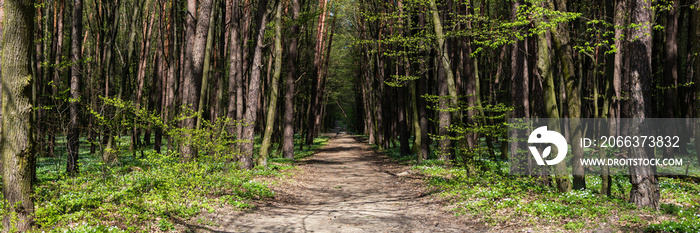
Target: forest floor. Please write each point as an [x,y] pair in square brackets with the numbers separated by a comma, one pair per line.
[345,187]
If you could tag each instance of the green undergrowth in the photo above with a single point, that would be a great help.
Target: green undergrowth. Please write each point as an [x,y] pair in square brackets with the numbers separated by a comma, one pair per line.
[156,192]
[487,193]
[506,202]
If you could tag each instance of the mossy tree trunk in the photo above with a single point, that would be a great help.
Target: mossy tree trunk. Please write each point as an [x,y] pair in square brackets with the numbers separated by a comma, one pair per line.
[18,140]
[544,67]
[274,89]
[447,83]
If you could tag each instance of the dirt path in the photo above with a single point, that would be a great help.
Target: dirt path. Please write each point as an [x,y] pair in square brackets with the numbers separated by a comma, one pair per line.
[347,187]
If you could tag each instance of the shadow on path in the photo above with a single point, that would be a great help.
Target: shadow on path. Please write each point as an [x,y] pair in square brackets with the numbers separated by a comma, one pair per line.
[345,187]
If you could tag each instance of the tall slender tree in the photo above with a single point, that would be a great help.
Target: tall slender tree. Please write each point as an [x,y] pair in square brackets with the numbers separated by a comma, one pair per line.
[288,138]
[274,88]
[251,113]
[196,40]
[75,79]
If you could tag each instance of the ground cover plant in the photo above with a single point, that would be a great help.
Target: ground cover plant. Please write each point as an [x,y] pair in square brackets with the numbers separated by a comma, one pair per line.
[155,192]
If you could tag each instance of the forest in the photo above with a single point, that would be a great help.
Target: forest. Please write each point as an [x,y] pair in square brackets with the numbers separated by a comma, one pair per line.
[149,115]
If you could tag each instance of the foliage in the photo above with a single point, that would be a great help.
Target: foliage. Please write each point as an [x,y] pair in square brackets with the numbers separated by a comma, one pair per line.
[506,201]
[159,186]
[148,192]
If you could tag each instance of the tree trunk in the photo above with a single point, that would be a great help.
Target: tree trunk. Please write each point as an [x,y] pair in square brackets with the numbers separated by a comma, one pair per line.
[670,91]
[550,103]
[645,186]
[254,91]
[141,77]
[288,138]
[57,70]
[194,65]
[234,75]
[76,45]
[696,71]
[560,36]
[18,142]
[448,83]
[173,65]
[316,92]
[206,66]
[274,88]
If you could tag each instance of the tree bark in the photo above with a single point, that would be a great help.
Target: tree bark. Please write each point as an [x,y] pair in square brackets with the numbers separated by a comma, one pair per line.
[448,83]
[194,65]
[234,77]
[57,69]
[274,88]
[670,91]
[173,71]
[76,54]
[206,66]
[560,36]
[696,71]
[645,186]
[254,91]
[316,93]
[18,145]
[550,102]
[288,137]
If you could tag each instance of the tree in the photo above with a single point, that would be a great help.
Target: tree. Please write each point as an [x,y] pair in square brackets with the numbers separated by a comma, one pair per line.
[272,105]
[560,36]
[194,64]
[288,138]
[447,86]
[18,145]
[314,120]
[75,78]
[645,186]
[251,113]
[544,67]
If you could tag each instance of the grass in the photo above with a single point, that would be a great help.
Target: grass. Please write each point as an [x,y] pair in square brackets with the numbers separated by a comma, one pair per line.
[156,192]
[514,203]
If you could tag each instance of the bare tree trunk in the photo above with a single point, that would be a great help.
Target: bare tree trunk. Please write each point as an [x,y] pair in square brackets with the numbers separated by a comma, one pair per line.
[316,92]
[274,88]
[173,64]
[234,78]
[196,45]
[645,186]
[76,49]
[57,70]
[671,73]
[141,77]
[254,91]
[560,36]
[696,71]
[448,83]
[550,103]
[206,66]
[18,146]
[288,138]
